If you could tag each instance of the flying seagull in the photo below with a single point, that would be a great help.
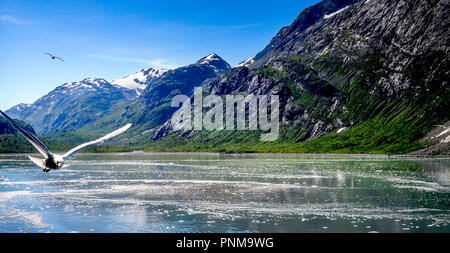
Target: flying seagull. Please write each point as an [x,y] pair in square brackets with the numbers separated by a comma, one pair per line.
[54,57]
[54,161]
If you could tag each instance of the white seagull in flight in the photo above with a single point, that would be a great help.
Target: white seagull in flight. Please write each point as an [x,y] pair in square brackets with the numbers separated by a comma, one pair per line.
[54,161]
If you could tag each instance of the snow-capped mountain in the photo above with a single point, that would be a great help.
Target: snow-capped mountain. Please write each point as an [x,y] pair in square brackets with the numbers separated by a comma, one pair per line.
[214,61]
[139,80]
[72,105]
[152,107]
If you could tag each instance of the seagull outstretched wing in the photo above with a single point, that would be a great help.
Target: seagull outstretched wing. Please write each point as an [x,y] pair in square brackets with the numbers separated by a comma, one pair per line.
[104,138]
[53,56]
[30,138]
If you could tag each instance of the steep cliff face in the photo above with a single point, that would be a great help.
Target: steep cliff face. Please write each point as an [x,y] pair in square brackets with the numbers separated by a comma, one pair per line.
[378,68]
[306,99]
[408,36]
[282,43]
[406,27]
[383,54]
[307,102]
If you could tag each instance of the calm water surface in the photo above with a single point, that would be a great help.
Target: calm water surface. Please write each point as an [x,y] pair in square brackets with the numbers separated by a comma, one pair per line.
[218,193]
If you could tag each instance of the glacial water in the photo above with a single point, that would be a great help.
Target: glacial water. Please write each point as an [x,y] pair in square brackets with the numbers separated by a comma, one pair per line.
[224,193]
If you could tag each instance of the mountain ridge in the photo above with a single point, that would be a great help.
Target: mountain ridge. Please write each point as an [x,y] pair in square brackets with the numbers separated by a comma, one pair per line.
[139,80]
[152,107]
[386,62]
[59,109]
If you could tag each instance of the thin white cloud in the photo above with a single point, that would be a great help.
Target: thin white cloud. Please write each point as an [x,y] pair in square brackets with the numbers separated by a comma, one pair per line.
[11,19]
[161,63]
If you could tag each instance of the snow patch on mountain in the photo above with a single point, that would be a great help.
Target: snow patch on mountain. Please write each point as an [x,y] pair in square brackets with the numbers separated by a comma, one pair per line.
[210,57]
[245,63]
[335,13]
[88,83]
[139,80]
[21,107]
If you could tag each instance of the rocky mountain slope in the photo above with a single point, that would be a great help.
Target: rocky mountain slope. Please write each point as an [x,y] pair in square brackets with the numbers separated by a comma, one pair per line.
[72,105]
[78,111]
[282,43]
[437,141]
[379,69]
[152,108]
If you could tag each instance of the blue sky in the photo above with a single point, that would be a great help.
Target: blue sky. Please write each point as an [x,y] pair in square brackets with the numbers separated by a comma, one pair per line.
[111,39]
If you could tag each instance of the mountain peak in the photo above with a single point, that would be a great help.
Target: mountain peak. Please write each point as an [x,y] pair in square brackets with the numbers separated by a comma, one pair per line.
[213,60]
[209,58]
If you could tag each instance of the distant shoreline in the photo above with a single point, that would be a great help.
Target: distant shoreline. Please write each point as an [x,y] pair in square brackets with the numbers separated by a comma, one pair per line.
[300,155]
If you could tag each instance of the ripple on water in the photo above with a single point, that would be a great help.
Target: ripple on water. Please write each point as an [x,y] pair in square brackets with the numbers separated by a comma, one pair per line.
[215,195]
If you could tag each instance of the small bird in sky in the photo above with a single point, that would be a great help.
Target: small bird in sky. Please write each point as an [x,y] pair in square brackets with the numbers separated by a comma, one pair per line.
[54,57]
[54,161]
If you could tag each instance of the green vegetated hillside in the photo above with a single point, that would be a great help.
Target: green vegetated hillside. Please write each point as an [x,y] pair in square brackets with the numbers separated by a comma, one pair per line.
[11,141]
[376,124]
